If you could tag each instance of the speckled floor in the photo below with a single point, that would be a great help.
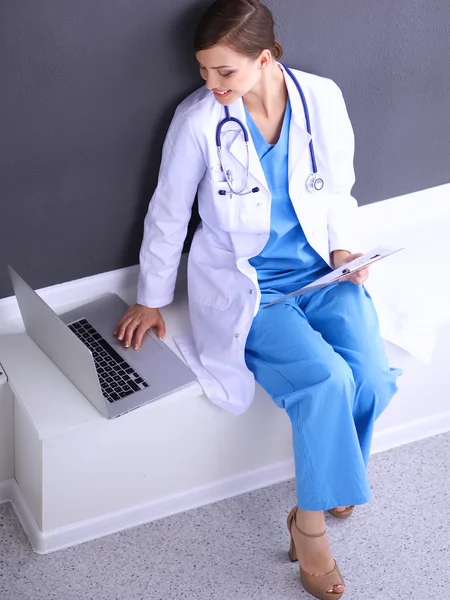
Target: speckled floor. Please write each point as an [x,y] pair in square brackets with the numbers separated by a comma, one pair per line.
[395,547]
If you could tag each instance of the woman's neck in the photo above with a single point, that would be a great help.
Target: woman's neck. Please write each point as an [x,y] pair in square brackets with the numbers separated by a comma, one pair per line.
[265,98]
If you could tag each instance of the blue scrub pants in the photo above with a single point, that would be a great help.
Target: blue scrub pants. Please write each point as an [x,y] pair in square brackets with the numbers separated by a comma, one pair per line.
[320,356]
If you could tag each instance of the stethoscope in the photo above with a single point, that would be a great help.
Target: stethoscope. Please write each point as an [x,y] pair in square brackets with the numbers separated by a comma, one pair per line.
[314,183]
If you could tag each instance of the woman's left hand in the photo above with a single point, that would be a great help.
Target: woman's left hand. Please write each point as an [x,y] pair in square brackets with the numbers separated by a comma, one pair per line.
[341,257]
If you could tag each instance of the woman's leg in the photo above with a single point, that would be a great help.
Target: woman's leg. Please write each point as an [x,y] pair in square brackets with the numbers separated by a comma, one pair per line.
[346,318]
[303,374]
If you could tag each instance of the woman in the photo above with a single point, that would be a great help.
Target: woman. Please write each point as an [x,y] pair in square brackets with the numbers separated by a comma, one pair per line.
[262,235]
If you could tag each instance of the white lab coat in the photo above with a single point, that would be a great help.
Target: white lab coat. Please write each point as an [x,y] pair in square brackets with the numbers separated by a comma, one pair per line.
[223,289]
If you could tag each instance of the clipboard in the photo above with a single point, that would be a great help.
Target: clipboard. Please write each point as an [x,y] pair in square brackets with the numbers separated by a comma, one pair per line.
[340,274]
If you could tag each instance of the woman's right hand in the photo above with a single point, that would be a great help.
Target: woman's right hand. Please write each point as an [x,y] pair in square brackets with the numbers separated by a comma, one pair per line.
[136,322]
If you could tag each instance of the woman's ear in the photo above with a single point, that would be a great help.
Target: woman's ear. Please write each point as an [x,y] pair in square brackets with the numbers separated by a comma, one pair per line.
[264,59]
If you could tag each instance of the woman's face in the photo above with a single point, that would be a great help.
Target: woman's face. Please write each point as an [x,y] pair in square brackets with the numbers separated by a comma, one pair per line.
[228,74]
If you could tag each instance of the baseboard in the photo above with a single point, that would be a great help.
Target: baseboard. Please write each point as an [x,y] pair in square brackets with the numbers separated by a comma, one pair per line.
[11,492]
[85,531]
[92,529]
[6,491]
[414,431]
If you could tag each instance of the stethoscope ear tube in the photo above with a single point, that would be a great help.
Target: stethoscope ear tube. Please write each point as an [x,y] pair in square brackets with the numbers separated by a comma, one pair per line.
[255,190]
[226,171]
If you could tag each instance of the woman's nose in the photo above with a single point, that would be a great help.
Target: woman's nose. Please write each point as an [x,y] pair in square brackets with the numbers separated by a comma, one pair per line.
[211,82]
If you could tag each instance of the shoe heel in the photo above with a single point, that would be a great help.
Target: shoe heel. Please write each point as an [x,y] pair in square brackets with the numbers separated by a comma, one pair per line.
[292,551]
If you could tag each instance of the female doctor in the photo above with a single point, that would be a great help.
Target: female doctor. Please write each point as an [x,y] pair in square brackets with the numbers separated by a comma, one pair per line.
[276,213]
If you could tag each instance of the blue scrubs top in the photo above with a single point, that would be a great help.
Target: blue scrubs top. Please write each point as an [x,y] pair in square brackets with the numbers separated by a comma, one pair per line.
[287,261]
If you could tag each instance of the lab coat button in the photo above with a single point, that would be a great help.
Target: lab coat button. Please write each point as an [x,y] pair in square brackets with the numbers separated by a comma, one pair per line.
[250,291]
[236,335]
[259,204]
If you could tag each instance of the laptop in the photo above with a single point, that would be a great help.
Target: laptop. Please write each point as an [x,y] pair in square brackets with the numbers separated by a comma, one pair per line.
[83,346]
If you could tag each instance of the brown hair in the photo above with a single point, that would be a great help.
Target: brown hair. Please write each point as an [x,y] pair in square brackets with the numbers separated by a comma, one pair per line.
[246,26]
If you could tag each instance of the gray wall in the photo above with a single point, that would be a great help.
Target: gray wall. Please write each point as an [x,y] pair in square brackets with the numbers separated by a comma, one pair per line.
[88,90]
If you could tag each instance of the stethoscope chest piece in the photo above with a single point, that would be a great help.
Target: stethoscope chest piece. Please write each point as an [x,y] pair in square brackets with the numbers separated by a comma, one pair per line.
[314,183]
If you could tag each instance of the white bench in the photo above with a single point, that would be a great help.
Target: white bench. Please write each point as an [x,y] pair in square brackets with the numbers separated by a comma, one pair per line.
[79,476]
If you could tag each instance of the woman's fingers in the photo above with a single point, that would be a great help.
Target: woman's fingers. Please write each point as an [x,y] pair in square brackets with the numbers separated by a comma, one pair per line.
[136,322]
[119,324]
[359,277]
[144,327]
[160,327]
[132,327]
[122,326]
[127,324]
[351,257]
[139,334]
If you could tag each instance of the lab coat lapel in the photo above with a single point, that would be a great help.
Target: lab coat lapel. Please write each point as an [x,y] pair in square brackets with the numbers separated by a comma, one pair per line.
[237,147]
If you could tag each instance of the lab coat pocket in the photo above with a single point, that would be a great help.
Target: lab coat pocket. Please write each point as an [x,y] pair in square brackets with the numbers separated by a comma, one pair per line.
[227,206]
[210,276]
[216,175]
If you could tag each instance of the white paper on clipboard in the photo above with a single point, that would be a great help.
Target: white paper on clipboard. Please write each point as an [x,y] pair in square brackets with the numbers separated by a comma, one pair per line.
[339,274]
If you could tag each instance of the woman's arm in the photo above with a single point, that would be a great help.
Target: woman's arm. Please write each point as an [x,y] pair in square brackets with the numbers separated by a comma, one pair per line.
[342,212]
[166,223]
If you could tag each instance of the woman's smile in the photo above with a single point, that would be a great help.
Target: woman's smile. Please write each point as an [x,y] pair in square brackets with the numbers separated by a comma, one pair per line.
[220,94]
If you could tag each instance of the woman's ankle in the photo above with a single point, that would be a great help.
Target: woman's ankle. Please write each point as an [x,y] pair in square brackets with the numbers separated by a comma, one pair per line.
[310,521]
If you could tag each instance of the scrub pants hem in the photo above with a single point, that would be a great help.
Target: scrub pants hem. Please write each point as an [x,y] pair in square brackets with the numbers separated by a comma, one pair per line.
[327,504]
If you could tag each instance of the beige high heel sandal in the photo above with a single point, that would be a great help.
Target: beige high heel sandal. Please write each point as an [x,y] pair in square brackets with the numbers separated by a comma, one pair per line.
[317,585]
[342,514]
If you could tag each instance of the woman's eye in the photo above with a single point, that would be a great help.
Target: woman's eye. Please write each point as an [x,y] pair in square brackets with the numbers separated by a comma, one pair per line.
[226,74]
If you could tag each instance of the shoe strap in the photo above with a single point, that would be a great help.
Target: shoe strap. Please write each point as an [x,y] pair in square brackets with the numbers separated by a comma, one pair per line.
[310,535]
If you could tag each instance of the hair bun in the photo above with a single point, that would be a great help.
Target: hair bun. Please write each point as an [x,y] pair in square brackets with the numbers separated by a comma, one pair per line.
[278,51]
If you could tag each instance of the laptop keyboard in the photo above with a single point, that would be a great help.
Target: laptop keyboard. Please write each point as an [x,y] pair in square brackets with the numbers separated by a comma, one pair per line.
[117,378]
